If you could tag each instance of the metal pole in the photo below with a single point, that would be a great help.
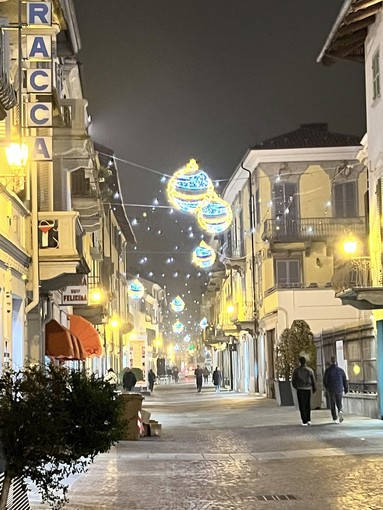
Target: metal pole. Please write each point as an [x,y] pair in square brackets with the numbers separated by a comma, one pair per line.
[252,229]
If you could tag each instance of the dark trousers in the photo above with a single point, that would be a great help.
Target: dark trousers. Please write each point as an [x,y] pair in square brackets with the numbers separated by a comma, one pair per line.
[304,397]
[151,385]
[335,403]
[199,383]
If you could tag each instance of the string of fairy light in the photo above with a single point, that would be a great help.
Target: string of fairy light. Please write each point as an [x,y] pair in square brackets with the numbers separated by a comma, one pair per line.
[191,191]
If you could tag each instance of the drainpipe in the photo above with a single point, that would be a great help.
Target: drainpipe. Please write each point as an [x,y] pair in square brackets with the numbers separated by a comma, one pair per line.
[252,229]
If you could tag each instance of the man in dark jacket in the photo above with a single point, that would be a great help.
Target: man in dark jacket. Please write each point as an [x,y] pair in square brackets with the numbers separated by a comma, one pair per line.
[303,381]
[198,378]
[129,380]
[335,381]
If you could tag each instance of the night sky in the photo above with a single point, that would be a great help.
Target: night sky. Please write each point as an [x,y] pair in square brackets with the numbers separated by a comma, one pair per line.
[170,80]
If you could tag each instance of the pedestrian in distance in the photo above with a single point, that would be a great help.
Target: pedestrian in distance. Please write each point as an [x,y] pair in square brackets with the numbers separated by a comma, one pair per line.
[198,378]
[335,382]
[217,379]
[176,374]
[303,381]
[151,379]
[206,373]
[129,380]
[111,378]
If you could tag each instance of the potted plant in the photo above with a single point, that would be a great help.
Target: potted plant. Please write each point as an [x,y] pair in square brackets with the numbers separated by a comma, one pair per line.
[296,341]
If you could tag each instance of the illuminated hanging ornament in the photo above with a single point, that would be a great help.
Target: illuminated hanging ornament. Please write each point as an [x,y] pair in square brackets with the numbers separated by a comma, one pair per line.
[203,256]
[203,324]
[215,215]
[187,338]
[178,304]
[178,327]
[188,187]
[136,290]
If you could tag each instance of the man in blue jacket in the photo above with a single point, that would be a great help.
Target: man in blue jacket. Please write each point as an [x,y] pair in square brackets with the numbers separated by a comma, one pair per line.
[335,381]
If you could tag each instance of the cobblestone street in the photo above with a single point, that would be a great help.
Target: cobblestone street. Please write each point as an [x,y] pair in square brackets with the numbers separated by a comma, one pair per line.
[230,451]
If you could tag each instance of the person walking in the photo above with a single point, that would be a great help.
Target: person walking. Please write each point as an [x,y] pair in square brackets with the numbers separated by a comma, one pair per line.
[129,380]
[217,379]
[111,378]
[151,379]
[206,374]
[303,381]
[335,382]
[198,378]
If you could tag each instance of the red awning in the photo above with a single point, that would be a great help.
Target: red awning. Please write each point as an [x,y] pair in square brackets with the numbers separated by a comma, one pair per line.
[86,334]
[60,343]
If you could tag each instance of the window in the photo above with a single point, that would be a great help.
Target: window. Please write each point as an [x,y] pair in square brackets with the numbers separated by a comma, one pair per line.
[285,200]
[375,76]
[345,205]
[287,273]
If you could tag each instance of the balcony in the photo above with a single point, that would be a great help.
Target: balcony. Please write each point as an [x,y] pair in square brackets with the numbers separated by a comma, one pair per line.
[353,285]
[61,255]
[311,229]
[85,199]
[70,134]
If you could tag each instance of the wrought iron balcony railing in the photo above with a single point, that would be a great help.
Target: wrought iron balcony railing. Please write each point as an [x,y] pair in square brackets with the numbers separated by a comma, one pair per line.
[355,273]
[290,230]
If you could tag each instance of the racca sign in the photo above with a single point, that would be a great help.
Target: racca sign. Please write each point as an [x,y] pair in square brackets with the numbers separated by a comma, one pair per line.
[39,78]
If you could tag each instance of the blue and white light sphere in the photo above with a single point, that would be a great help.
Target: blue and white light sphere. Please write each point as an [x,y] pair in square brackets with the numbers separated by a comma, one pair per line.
[177,304]
[136,290]
[215,215]
[203,256]
[187,338]
[203,323]
[178,327]
[188,187]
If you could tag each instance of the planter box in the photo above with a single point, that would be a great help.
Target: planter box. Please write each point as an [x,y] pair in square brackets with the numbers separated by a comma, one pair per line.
[283,393]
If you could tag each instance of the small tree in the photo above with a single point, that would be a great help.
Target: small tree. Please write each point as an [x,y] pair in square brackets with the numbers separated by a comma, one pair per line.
[296,341]
[53,422]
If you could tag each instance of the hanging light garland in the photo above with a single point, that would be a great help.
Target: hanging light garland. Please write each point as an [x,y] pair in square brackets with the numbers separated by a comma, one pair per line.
[215,215]
[178,327]
[136,290]
[177,304]
[203,256]
[188,187]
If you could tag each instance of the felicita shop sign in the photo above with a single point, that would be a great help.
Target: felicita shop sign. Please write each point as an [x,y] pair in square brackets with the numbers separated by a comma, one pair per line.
[38,34]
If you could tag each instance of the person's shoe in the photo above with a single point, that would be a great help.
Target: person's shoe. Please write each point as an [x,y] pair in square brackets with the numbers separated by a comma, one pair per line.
[341,416]
[304,424]
[309,423]
[336,421]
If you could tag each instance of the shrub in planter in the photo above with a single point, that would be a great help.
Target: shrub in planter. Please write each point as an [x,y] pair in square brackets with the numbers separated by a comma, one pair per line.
[296,341]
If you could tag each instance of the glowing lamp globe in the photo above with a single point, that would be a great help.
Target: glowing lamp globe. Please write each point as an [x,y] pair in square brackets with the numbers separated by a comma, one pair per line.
[215,215]
[136,290]
[203,324]
[178,304]
[187,338]
[203,256]
[188,187]
[178,327]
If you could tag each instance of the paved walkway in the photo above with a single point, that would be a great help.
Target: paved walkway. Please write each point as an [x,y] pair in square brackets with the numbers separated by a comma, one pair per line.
[231,451]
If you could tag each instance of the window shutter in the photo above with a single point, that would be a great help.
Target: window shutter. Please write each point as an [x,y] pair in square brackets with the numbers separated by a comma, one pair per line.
[45,185]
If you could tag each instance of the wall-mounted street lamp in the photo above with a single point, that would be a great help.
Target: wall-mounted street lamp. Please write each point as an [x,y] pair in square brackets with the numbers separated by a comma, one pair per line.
[350,245]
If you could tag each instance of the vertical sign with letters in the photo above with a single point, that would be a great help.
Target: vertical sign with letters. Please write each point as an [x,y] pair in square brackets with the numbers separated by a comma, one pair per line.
[39,79]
